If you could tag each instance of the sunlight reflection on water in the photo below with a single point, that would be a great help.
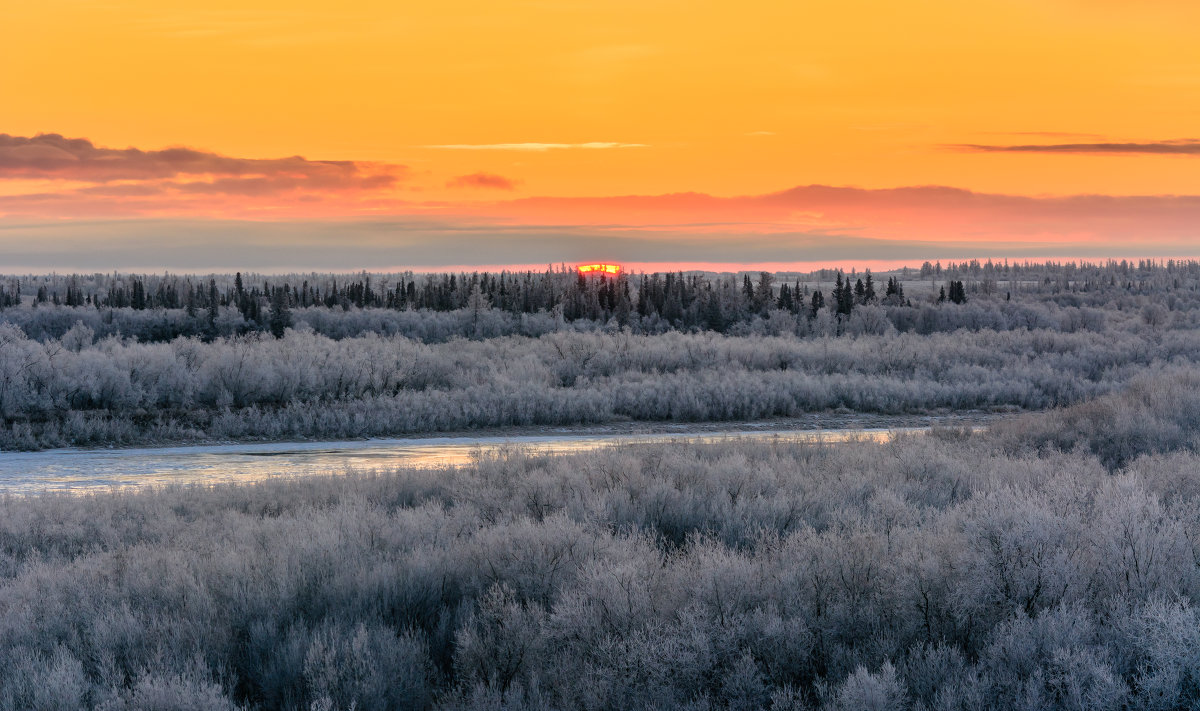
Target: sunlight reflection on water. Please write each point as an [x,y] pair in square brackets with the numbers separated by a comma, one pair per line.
[83,470]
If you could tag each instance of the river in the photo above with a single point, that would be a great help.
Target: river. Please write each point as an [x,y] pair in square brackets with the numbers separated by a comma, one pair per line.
[83,470]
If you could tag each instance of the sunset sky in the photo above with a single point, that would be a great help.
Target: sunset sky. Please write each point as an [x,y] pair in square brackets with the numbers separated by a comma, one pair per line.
[381,135]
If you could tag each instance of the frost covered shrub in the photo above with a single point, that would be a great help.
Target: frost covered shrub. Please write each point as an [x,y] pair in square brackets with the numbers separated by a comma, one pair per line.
[306,385]
[369,668]
[173,692]
[951,571]
[1156,413]
[866,691]
[55,681]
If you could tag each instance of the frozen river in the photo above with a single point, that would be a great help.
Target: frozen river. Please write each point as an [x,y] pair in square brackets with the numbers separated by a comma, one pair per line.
[81,470]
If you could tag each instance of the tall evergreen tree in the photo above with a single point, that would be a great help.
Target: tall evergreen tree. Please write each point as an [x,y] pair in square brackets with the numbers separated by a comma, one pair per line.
[818,303]
[958,292]
[764,293]
[214,304]
[844,296]
[785,298]
[281,315]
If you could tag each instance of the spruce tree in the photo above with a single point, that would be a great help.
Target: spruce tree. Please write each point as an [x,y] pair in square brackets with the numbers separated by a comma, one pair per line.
[213,303]
[818,303]
[764,293]
[714,320]
[281,315]
[785,298]
[958,292]
[844,294]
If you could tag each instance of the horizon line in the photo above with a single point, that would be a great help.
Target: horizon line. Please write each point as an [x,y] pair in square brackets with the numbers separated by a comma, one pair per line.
[798,267]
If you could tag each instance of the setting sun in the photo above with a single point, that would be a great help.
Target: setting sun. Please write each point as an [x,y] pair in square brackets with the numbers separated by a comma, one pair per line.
[600,269]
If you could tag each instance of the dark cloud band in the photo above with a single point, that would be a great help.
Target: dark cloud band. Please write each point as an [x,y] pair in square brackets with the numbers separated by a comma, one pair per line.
[1184,146]
[52,156]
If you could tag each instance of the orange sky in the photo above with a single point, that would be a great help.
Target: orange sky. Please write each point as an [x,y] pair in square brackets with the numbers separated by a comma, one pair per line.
[460,112]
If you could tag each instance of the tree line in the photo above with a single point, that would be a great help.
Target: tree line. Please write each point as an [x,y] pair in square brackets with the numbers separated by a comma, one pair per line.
[721,303]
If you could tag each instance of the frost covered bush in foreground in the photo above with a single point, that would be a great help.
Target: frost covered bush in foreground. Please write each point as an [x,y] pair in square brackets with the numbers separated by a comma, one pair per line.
[76,391]
[953,571]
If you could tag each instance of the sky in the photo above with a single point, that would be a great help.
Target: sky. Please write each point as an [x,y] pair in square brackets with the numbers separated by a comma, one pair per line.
[659,133]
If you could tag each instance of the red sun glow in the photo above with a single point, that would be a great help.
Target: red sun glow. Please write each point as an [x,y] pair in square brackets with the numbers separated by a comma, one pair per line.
[600,269]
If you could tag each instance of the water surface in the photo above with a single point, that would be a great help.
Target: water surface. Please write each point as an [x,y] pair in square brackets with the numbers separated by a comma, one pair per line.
[82,470]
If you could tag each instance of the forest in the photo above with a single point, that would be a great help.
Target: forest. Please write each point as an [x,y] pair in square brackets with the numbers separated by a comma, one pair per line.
[1051,562]
[117,360]
[437,307]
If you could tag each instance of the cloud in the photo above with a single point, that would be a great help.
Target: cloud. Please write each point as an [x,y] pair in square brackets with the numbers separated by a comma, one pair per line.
[953,218]
[930,214]
[482,180]
[75,178]
[52,156]
[1182,146]
[534,147]
[398,243]
[139,195]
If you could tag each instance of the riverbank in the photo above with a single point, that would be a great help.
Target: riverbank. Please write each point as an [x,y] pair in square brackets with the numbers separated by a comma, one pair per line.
[807,422]
[303,387]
